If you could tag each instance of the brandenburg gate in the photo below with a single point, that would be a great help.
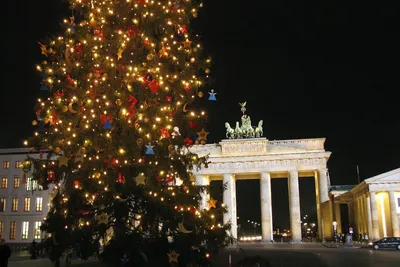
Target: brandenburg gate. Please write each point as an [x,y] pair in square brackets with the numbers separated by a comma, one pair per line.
[245,154]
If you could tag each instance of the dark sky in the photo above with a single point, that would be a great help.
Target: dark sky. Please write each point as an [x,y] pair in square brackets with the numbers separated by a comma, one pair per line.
[314,69]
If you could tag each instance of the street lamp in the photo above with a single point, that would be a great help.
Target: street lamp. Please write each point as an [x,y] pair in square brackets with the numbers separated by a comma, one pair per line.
[26,167]
[334,229]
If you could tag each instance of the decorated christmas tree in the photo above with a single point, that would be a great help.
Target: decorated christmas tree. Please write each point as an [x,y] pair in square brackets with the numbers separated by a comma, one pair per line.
[115,126]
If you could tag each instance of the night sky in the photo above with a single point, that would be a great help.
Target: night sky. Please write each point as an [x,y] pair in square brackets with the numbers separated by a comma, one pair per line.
[308,70]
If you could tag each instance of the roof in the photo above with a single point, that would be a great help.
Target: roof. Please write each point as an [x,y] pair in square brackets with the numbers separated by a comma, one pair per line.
[342,187]
[390,176]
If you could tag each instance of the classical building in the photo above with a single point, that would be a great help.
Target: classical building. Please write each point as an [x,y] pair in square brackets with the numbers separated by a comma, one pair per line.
[23,203]
[259,158]
[373,206]
[245,154]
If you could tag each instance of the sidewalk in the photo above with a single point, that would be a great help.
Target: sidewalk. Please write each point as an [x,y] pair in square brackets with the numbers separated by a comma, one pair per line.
[44,262]
[343,245]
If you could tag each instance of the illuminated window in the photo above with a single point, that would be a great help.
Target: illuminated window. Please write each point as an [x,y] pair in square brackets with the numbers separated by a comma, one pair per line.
[3,204]
[6,164]
[18,164]
[4,182]
[27,204]
[14,206]
[37,232]
[13,230]
[32,185]
[39,203]
[25,230]
[1,228]
[17,182]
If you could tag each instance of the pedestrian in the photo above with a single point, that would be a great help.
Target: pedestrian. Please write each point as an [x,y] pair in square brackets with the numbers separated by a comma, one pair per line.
[366,238]
[5,253]
[33,250]
[349,240]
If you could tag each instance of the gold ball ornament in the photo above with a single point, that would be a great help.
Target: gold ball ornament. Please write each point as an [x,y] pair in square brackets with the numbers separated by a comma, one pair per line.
[57,150]
[105,75]
[200,94]
[50,148]
[207,71]
[203,142]
[93,22]
[171,148]
[64,108]
[196,142]
[90,75]
[118,102]
[149,57]
[139,142]
[34,122]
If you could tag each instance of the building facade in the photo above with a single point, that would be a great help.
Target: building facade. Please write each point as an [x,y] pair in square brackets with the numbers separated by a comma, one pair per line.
[23,203]
[373,206]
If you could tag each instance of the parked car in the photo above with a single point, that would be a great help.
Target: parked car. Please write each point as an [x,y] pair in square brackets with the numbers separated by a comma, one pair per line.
[387,242]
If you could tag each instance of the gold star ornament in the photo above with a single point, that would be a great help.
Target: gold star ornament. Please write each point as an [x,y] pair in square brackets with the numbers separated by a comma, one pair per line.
[202,135]
[119,53]
[43,48]
[212,203]
[173,257]
[140,179]
[63,161]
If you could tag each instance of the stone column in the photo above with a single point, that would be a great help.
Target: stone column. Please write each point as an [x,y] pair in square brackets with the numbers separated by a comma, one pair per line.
[203,180]
[369,217]
[294,204]
[323,185]
[338,218]
[318,204]
[374,216]
[266,207]
[393,213]
[229,197]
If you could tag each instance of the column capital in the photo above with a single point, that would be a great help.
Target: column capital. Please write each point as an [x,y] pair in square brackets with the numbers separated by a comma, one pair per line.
[265,175]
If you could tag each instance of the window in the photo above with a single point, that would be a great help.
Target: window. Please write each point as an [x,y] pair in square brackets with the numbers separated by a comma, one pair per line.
[27,204]
[37,232]
[32,185]
[1,229]
[4,182]
[398,202]
[18,164]
[13,230]
[14,206]
[25,230]
[39,203]
[3,204]
[17,182]
[6,164]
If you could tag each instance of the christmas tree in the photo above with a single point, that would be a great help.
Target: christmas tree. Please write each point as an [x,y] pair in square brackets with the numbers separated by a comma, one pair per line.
[115,127]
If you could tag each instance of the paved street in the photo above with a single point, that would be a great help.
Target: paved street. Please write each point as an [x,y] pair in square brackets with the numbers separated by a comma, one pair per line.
[283,255]
[314,255]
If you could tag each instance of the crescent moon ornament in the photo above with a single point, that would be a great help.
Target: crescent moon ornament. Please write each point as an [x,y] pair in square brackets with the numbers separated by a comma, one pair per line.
[66,55]
[184,108]
[182,228]
[71,108]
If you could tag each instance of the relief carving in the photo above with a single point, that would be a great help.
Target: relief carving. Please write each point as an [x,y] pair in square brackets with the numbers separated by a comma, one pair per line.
[217,167]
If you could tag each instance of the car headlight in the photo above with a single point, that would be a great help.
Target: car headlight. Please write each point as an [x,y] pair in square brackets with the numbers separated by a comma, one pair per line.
[370,243]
